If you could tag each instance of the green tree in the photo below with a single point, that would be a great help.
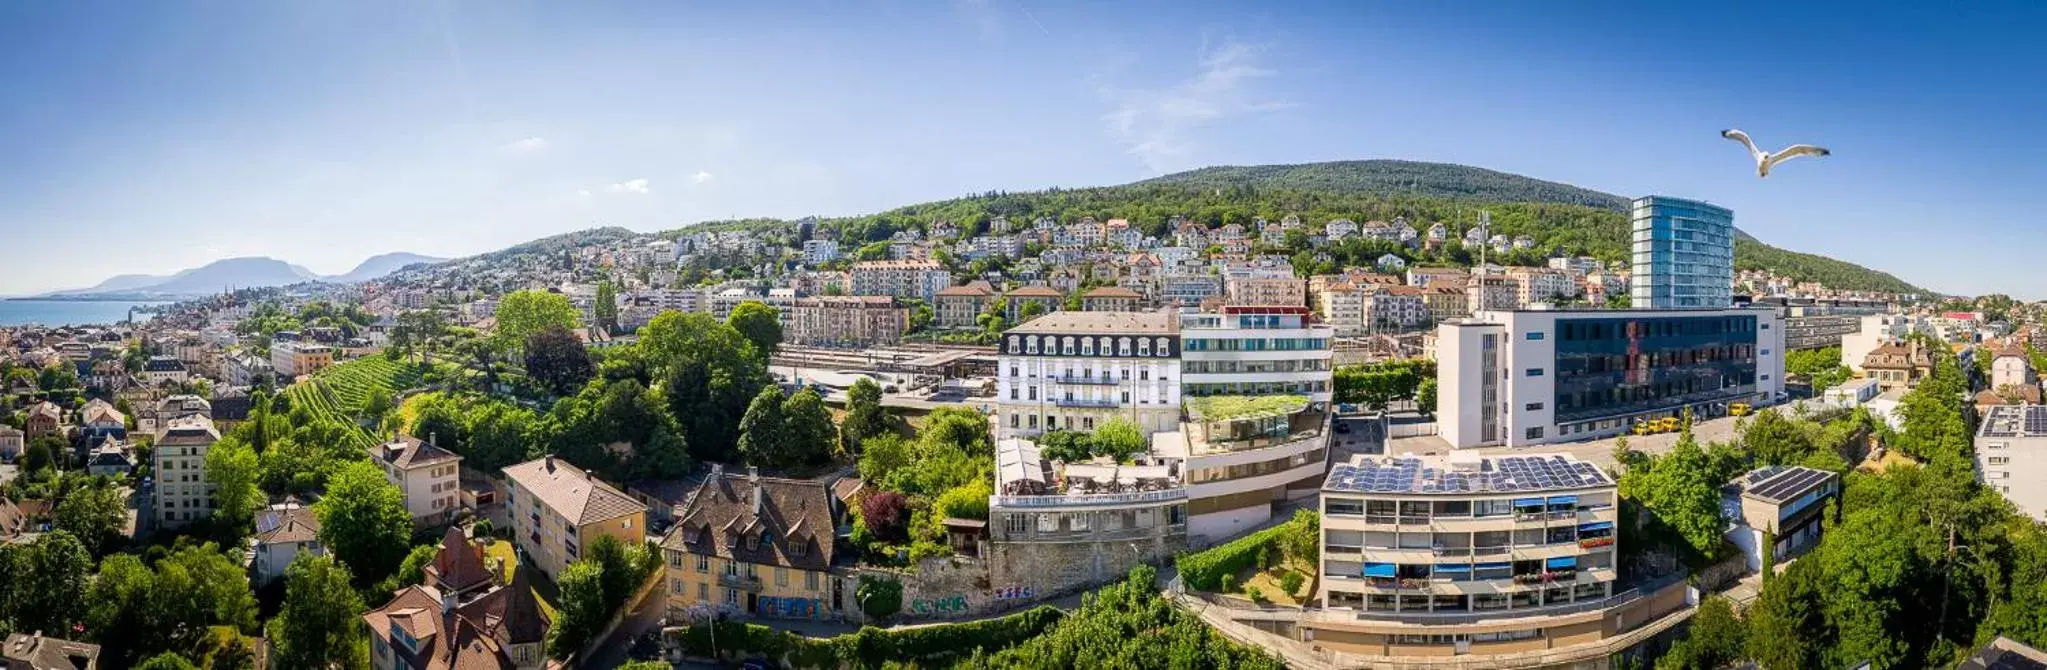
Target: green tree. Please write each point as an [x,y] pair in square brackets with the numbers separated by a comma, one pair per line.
[1425,396]
[500,434]
[1786,620]
[1714,640]
[55,569]
[1680,489]
[39,452]
[808,433]
[556,358]
[884,455]
[607,306]
[879,597]
[135,611]
[413,570]
[709,375]
[1776,440]
[169,660]
[582,609]
[758,323]
[95,513]
[762,441]
[363,521]
[865,417]
[320,625]
[233,468]
[1119,438]
[522,313]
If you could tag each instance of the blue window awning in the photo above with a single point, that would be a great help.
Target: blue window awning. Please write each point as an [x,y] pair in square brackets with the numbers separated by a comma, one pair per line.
[1380,570]
[1527,502]
[1563,563]
[1598,525]
[1495,566]
[1452,567]
[1563,500]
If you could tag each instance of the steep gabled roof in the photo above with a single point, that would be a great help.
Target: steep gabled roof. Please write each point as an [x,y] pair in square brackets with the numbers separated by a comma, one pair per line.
[796,516]
[572,493]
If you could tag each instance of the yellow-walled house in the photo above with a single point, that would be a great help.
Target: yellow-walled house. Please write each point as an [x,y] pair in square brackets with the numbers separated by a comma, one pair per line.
[557,509]
[760,546]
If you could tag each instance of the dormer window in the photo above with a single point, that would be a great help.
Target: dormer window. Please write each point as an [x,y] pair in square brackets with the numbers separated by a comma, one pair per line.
[798,547]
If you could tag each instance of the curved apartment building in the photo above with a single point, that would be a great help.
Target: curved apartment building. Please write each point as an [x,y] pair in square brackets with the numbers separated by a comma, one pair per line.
[1472,555]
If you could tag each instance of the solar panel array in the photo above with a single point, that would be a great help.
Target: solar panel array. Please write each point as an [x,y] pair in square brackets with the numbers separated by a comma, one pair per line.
[266,522]
[1788,484]
[2015,421]
[1507,474]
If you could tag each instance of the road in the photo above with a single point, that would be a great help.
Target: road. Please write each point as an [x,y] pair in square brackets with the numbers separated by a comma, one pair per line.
[645,618]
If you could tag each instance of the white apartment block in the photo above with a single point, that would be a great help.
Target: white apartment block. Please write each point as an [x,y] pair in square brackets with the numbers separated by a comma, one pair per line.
[1519,378]
[1484,292]
[1075,370]
[2011,456]
[1535,285]
[183,493]
[1390,309]
[920,279]
[1342,305]
[426,474]
[819,252]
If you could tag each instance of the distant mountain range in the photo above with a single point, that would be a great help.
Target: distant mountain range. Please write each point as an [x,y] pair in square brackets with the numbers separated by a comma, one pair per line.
[248,272]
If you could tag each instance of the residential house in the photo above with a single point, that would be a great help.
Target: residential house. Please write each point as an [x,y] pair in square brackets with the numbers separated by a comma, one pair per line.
[36,652]
[1486,292]
[1898,365]
[464,617]
[1446,302]
[161,369]
[1390,263]
[819,252]
[1266,290]
[12,442]
[846,321]
[961,306]
[1087,232]
[1110,299]
[110,459]
[1395,308]
[1190,234]
[754,545]
[1339,230]
[283,532]
[44,418]
[291,359]
[1533,285]
[1426,277]
[556,509]
[1047,299]
[1342,305]
[99,419]
[427,475]
[2012,368]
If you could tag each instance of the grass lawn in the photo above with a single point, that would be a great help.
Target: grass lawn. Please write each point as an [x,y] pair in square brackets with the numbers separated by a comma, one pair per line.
[543,588]
[1267,582]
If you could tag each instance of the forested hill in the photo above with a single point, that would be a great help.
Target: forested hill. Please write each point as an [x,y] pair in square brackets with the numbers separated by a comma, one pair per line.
[1394,177]
[1562,218]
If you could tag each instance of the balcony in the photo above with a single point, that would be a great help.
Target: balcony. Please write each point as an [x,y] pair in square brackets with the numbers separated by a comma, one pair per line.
[741,582]
[1546,577]
[1083,379]
[1595,542]
[1082,499]
[1086,403]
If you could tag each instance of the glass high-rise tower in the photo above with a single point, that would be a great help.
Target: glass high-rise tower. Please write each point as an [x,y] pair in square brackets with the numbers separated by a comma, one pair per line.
[1684,254]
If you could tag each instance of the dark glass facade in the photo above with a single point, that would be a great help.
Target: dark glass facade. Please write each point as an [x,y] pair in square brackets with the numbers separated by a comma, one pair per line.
[1616,366]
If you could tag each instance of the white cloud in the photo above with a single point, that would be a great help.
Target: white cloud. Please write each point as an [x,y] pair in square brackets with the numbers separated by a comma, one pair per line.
[583,192]
[637,186]
[701,177]
[1156,125]
[525,146]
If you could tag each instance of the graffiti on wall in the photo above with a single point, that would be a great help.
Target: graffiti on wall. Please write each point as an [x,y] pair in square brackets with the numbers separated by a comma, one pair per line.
[789,608]
[1016,593]
[939,606]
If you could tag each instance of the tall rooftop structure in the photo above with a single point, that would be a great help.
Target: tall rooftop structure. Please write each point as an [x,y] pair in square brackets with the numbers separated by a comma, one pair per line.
[1684,254]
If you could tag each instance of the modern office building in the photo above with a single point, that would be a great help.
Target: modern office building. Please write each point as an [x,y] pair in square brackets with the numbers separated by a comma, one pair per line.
[1246,350]
[1775,513]
[1684,254]
[1473,555]
[1074,370]
[1539,376]
[2011,455]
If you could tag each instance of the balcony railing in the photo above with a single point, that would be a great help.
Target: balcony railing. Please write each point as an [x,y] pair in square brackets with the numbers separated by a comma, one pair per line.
[1084,402]
[1091,498]
[743,582]
[1084,379]
[1448,618]
[1545,577]
[1595,542]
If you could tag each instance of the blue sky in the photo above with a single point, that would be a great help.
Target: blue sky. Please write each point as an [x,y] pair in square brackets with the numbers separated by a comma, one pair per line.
[150,137]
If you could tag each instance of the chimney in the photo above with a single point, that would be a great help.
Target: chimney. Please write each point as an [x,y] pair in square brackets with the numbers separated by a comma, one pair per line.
[753,474]
[550,462]
[447,601]
[717,471]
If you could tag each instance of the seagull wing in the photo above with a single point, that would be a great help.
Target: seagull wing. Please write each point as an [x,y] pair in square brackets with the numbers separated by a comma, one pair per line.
[1795,151]
[1738,136]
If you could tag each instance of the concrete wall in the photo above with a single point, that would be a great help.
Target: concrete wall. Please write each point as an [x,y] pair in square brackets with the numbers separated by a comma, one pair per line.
[1051,569]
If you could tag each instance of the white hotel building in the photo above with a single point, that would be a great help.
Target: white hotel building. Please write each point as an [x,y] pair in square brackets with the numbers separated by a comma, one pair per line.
[1527,377]
[1075,370]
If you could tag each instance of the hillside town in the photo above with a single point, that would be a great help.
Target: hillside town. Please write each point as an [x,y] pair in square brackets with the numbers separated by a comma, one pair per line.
[606,445]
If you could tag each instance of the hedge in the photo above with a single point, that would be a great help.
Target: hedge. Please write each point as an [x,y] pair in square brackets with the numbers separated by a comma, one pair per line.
[1204,571]
[871,647]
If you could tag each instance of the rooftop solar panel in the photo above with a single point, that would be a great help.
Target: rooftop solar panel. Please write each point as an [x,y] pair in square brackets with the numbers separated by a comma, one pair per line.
[1506,474]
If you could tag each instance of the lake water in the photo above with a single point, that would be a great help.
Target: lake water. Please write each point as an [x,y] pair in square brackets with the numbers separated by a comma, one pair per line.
[66,312]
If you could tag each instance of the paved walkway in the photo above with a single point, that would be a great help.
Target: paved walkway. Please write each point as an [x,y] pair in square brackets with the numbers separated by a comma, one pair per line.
[645,618]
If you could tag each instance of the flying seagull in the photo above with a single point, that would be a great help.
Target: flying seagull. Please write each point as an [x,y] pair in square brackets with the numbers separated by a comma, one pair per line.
[1765,161]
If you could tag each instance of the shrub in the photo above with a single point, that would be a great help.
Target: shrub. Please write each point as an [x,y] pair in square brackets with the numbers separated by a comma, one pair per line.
[1292,582]
[887,515]
[927,646]
[1264,557]
[1205,571]
[879,597]
[1229,583]
[1256,595]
